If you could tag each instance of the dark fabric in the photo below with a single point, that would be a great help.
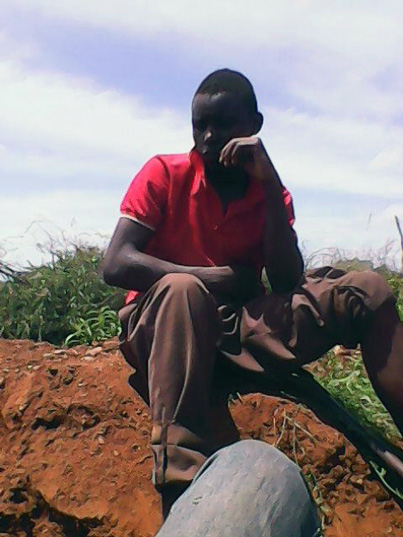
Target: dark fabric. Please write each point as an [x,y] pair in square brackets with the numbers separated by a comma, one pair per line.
[177,337]
[170,337]
[329,307]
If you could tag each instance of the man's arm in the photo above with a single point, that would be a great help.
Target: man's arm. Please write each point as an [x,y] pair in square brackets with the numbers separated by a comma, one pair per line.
[282,257]
[127,266]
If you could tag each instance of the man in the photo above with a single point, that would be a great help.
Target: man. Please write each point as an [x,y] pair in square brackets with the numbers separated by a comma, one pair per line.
[195,233]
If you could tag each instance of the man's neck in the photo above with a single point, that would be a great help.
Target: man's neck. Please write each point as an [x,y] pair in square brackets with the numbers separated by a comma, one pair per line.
[227,178]
[230,184]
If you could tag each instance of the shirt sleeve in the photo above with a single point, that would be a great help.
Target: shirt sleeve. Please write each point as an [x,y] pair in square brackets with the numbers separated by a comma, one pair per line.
[289,206]
[146,198]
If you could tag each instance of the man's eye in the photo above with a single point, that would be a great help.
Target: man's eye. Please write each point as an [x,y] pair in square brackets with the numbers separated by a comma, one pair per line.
[225,123]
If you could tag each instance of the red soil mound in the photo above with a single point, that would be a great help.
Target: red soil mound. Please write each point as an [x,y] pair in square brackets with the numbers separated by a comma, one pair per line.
[74,455]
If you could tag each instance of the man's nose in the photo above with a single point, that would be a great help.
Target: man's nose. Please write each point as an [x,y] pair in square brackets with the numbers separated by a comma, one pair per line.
[209,135]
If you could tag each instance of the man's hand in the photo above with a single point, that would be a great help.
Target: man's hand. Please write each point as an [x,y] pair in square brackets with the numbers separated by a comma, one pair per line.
[282,258]
[250,154]
[234,284]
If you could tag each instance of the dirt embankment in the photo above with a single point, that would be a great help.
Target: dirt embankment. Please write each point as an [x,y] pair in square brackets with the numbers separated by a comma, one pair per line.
[75,461]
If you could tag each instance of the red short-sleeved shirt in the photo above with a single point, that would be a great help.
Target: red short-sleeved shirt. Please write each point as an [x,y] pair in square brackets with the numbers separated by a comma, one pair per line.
[171,196]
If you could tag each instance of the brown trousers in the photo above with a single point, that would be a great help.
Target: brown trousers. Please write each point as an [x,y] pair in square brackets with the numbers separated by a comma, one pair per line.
[176,335]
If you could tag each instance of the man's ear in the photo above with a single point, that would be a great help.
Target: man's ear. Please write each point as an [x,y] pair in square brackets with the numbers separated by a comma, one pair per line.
[258,120]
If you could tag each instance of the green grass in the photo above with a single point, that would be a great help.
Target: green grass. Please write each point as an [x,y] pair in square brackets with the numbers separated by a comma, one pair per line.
[346,380]
[64,302]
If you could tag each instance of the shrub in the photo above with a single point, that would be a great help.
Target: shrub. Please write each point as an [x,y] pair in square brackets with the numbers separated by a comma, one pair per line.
[64,301]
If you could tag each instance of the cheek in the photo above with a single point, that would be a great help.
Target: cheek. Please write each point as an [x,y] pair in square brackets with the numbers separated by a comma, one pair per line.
[228,136]
[197,137]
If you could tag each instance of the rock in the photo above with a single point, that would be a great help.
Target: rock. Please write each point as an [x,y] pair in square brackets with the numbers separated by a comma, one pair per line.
[111,345]
[95,351]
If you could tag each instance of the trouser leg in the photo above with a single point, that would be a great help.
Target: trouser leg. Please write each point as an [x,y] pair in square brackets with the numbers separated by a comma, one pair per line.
[249,489]
[171,340]
[382,352]
[330,307]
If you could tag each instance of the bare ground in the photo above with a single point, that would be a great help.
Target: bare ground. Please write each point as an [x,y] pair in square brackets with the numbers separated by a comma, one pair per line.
[75,457]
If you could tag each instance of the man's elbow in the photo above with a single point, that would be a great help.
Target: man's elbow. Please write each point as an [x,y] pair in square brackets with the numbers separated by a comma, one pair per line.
[286,281]
[109,276]
[111,273]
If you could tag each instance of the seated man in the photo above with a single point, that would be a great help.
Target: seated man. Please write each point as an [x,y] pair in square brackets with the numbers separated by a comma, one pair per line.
[195,233]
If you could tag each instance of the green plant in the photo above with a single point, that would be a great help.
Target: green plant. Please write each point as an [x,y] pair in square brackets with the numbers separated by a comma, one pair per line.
[98,325]
[346,380]
[64,301]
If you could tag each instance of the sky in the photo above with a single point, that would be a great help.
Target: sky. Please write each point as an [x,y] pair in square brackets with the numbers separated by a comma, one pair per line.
[91,89]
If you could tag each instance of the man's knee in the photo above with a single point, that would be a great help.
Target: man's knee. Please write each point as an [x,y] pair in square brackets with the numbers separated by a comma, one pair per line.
[356,300]
[373,285]
[178,283]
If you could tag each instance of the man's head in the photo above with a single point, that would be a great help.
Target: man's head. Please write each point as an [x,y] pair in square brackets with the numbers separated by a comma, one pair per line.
[224,107]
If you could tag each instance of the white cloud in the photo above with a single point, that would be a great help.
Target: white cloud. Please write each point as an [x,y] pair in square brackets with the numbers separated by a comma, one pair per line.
[54,125]
[59,111]
[12,48]
[59,217]
[342,59]
[354,233]
[343,27]
[362,34]
[324,153]
[390,158]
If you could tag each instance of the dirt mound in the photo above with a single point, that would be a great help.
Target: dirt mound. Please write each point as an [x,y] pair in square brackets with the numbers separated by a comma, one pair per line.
[75,458]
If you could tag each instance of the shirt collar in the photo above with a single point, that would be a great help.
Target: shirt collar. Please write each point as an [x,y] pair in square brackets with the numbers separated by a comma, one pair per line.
[196,160]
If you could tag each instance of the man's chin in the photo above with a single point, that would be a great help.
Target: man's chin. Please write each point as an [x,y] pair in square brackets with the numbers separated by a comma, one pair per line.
[209,155]
[211,160]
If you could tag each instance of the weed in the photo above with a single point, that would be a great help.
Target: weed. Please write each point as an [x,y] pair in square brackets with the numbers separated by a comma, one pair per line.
[63,302]
[347,381]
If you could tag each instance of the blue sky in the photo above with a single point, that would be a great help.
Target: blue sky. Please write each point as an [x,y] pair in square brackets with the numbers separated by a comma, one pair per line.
[89,90]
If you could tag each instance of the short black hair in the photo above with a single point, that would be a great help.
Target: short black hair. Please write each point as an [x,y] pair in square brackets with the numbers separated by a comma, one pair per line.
[230,81]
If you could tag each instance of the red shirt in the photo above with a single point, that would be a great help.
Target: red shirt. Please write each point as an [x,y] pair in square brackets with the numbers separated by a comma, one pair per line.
[172,196]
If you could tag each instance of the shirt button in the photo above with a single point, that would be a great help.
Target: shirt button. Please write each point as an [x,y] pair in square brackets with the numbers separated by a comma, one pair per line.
[215,228]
